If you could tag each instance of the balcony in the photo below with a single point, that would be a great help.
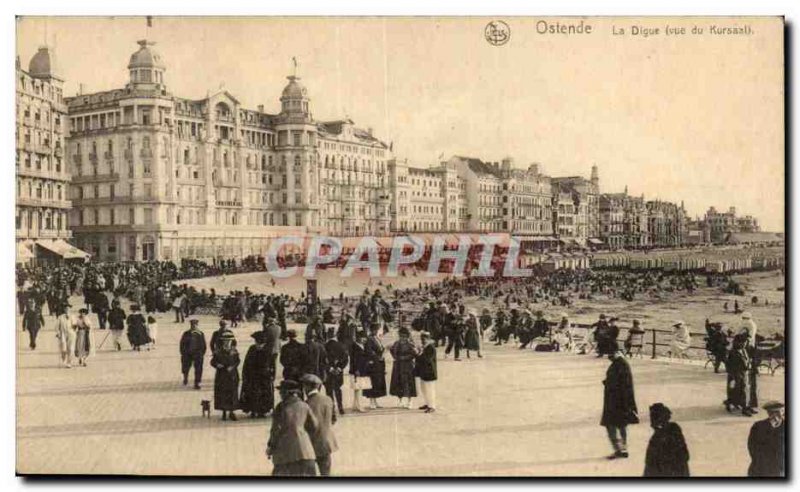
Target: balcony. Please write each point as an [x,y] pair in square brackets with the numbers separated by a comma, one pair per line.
[43,202]
[93,157]
[77,159]
[146,153]
[128,155]
[95,178]
[228,203]
[109,156]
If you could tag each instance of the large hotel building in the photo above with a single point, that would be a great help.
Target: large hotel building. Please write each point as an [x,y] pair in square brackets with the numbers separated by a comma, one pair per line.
[156,176]
[147,175]
[41,170]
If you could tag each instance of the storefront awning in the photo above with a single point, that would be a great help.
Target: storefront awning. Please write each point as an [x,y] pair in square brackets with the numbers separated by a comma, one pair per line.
[63,249]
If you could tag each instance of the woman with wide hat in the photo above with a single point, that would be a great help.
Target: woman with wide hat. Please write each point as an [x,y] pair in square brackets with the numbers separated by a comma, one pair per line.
[226,381]
[404,353]
[258,378]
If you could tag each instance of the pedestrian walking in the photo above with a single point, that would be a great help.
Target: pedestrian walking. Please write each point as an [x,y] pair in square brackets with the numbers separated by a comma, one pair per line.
[66,334]
[294,357]
[226,380]
[152,331]
[737,367]
[474,334]
[667,454]
[323,440]
[193,349]
[258,378]
[84,337]
[32,322]
[425,370]
[766,442]
[619,404]
[137,329]
[289,446]
[116,322]
[359,369]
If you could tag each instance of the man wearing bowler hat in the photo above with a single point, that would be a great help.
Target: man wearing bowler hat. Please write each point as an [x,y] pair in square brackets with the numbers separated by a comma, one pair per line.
[324,441]
[766,443]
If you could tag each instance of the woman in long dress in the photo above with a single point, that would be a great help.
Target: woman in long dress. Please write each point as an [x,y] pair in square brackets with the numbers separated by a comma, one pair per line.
[226,380]
[403,385]
[376,367]
[737,366]
[258,393]
[84,337]
[472,339]
[681,339]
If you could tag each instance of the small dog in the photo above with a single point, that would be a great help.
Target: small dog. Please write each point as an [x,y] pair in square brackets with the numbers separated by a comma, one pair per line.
[206,405]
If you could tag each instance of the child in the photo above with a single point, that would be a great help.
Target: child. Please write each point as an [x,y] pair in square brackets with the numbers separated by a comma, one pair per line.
[152,331]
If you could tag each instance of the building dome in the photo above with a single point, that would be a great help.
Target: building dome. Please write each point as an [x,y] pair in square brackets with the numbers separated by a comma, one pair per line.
[294,89]
[146,57]
[42,64]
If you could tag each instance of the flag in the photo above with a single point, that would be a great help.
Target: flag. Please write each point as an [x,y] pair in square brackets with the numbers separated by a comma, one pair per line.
[149,21]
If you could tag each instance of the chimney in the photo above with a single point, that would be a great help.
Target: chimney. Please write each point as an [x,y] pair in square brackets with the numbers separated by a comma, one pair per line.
[260,108]
[534,168]
[507,163]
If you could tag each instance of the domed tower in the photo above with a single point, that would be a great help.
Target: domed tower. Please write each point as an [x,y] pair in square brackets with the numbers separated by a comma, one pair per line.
[294,99]
[43,65]
[146,68]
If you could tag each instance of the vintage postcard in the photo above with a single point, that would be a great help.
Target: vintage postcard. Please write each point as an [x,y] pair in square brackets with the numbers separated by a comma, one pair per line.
[400,246]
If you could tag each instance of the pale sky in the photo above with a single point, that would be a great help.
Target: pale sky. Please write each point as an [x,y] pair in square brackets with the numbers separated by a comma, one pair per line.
[697,118]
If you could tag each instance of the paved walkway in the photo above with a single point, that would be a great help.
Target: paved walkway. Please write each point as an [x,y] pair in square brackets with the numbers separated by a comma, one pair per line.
[512,413]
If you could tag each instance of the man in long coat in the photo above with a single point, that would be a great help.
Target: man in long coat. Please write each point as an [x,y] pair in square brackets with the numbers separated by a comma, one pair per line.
[619,404]
[324,441]
[766,443]
[293,424]
[258,378]
[294,357]
[316,357]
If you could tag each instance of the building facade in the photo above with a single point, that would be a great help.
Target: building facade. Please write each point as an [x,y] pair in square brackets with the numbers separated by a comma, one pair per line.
[666,224]
[156,176]
[527,201]
[623,220]
[42,174]
[586,207]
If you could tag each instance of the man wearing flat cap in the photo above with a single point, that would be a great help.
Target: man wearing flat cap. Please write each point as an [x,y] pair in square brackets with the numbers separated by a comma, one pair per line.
[293,423]
[193,349]
[323,440]
[766,443]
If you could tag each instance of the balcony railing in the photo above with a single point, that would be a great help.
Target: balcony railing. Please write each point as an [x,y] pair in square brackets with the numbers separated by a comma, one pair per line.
[43,202]
[109,156]
[229,203]
[95,178]
[146,153]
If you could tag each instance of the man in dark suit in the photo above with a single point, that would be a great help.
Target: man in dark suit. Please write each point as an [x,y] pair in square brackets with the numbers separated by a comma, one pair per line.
[293,423]
[193,349]
[101,308]
[316,357]
[766,443]
[324,441]
[619,403]
[294,357]
[338,358]
[425,370]
[272,338]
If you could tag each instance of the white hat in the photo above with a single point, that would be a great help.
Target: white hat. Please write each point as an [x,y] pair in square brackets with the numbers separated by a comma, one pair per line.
[678,323]
[747,315]
[563,314]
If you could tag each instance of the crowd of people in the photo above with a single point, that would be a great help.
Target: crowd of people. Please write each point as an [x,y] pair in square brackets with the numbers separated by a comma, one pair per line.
[345,348]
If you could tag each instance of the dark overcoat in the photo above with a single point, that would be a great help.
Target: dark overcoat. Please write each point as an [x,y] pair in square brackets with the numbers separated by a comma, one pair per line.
[402,384]
[258,393]
[226,380]
[766,446]
[425,367]
[376,367]
[667,454]
[294,356]
[619,403]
